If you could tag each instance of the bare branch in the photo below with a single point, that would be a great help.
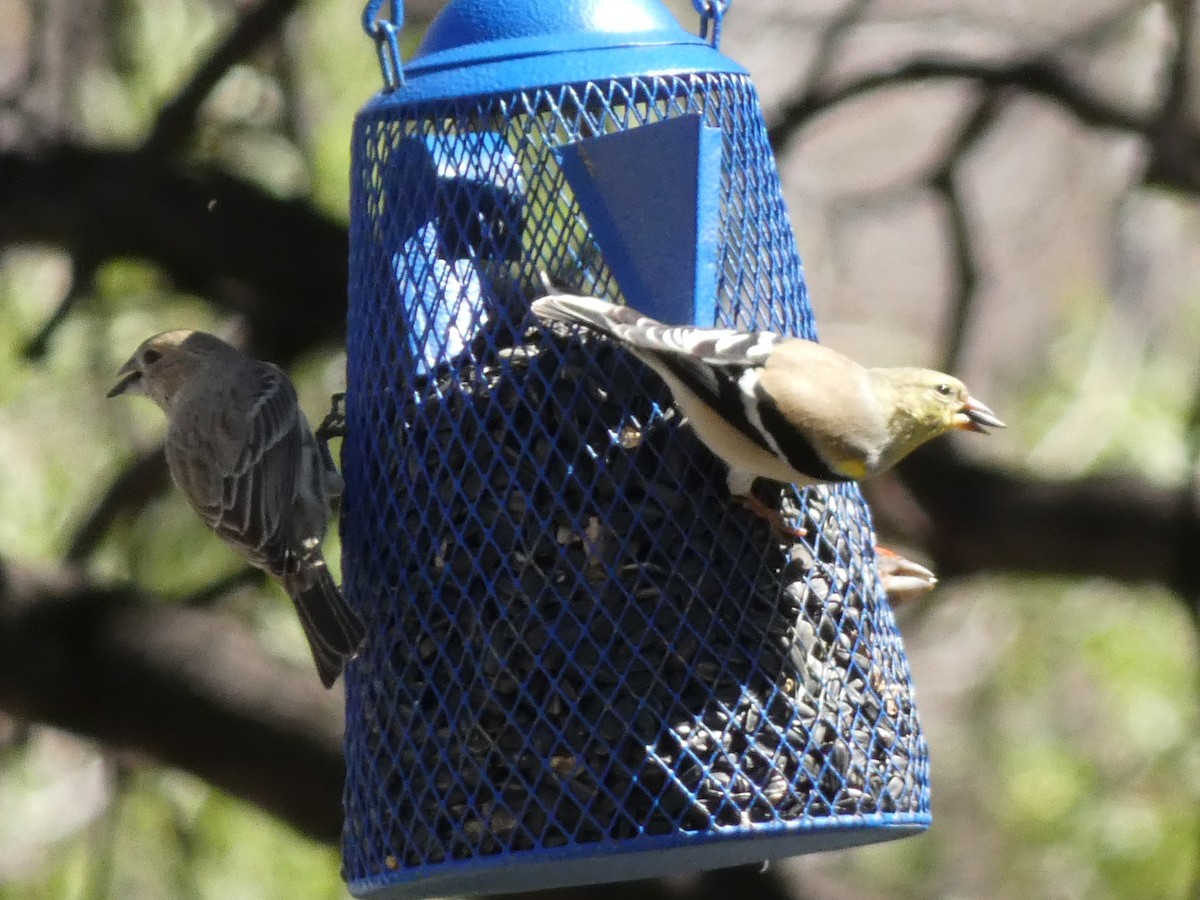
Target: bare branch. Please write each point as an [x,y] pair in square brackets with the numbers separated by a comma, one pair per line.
[1178,92]
[832,38]
[1117,527]
[1038,77]
[945,182]
[191,688]
[177,119]
[140,482]
[83,273]
[279,263]
[1174,140]
[210,594]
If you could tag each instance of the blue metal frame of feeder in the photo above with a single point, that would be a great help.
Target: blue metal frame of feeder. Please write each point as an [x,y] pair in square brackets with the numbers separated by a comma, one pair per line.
[585,663]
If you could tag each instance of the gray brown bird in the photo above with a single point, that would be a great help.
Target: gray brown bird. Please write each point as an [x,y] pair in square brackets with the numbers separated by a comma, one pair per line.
[783,408]
[243,454]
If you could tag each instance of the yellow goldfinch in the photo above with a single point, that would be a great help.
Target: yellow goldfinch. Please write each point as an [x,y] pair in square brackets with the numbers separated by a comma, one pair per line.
[240,449]
[782,408]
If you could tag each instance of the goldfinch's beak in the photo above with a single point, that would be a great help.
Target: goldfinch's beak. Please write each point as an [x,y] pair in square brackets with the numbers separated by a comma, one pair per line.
[128,378]
[974,416]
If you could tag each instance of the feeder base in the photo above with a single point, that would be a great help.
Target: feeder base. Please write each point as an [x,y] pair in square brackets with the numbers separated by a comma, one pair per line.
[600,863]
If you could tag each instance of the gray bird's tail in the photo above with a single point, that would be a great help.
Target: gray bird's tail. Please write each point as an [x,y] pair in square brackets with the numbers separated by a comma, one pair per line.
[334,631]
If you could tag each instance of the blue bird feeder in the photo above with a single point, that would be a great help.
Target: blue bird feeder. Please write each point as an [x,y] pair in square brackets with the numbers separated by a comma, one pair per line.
[585,662]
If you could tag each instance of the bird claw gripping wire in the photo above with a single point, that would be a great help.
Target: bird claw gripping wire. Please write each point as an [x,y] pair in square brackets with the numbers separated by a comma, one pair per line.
[333,425]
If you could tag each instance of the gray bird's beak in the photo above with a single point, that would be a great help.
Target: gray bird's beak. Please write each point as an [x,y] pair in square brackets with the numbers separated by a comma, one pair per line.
[127,377]
[974,416]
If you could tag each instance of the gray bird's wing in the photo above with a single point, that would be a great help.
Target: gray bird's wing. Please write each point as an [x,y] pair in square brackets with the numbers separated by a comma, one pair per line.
[239,465]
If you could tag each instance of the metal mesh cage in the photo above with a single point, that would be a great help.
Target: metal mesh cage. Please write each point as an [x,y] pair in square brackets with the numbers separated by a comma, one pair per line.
[580,649]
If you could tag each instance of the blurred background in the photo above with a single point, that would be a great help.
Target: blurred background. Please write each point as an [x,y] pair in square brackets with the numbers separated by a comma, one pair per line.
[1006,190]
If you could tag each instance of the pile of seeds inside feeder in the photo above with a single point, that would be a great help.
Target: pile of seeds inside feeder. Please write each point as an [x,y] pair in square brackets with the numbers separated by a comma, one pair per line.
[590,641]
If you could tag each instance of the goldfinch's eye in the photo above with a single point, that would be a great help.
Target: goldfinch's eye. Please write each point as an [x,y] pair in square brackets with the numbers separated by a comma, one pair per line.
[945,390]
[150,357]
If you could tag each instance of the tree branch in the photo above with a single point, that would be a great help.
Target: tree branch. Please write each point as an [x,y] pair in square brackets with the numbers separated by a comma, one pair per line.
[177,118]
[985,520]
[833,37]
[1177,95]
[1173,138]
[211,593]
[1033,76]
[189,687]
[1174,142]
[83,273]
[138,483]
[281,264]
[966,270]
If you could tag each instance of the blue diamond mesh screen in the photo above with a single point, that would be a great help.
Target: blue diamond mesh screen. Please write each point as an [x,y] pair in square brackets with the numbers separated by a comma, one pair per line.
[579,646]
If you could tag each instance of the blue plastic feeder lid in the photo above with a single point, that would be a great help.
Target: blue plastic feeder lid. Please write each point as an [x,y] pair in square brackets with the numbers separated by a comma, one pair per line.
[477,47]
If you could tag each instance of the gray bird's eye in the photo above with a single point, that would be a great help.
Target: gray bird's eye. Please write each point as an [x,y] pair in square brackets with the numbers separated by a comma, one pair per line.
[150,357]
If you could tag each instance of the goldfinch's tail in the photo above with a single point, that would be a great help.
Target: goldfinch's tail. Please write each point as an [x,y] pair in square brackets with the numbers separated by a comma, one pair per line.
[642,334]
[649,338]
[607,318]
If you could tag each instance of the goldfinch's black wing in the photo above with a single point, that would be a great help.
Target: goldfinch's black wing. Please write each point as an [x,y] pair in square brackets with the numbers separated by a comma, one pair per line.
[720,367]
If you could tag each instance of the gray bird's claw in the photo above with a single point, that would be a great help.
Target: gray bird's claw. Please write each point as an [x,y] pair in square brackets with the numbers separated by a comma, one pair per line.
[334,423]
